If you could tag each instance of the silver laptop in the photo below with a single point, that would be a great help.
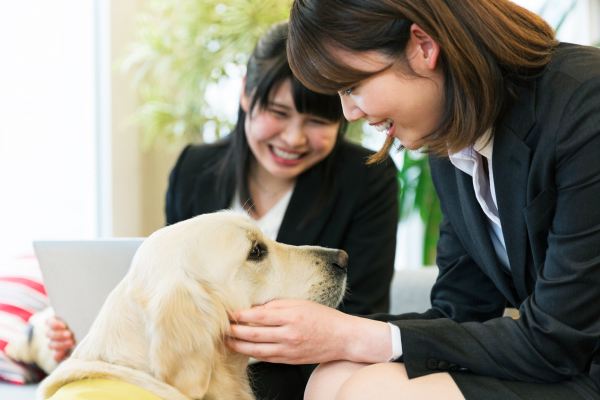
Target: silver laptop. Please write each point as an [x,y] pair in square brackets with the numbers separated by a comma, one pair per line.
[79,275]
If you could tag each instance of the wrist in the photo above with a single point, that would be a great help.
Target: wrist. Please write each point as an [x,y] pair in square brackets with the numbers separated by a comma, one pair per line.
[367,341]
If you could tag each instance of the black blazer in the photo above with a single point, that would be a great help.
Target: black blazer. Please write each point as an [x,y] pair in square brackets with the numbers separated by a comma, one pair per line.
[361,217]
[546,163]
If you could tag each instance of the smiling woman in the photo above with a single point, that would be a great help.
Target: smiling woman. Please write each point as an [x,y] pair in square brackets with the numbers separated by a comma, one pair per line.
[510,117]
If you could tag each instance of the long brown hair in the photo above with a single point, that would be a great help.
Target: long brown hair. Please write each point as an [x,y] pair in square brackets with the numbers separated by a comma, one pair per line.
[488,49]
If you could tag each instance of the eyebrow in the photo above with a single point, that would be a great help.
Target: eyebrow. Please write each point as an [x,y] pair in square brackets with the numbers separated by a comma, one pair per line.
[252,236]
[273,103]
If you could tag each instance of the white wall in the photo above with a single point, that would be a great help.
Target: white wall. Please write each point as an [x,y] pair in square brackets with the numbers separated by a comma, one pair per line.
[47,122]
[126,155]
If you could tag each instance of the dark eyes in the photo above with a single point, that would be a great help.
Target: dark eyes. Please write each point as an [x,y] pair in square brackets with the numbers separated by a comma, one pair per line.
[257,252]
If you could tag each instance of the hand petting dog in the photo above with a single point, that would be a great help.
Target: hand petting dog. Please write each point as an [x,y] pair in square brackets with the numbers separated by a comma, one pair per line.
[303,332]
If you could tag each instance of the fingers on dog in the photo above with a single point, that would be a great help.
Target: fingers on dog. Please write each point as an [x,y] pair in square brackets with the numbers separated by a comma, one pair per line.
[262,351]
[60,335]
[60,355]
[256,334]
[262,316]
[60,344]
[284,303]
[56,324]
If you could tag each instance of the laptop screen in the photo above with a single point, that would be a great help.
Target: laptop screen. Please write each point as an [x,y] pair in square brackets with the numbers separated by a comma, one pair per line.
[79,276]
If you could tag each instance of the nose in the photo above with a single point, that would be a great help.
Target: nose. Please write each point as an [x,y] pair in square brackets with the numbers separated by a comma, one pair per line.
[351,110]
[294,135]
[342,260]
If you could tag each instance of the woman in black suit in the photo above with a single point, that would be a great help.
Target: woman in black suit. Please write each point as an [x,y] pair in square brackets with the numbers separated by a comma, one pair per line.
[512,120]
[288,148]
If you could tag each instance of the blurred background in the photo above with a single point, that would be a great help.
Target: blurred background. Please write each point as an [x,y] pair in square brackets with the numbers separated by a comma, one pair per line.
[97,98]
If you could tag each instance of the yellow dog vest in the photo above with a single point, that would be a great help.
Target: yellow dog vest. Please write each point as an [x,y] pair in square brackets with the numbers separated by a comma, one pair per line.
[102,389]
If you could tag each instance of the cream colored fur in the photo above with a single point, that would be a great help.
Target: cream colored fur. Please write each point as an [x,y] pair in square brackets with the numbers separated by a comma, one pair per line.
[34,348]
[163,327]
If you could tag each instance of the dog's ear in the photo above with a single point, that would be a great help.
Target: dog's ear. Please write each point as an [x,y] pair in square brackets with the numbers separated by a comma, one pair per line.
[185,328]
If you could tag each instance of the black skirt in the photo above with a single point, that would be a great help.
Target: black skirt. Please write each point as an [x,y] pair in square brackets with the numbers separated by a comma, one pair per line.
[477,387]
[279,381]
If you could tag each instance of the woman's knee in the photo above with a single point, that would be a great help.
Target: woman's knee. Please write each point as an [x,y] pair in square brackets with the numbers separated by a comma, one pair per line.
[326,380]
[391,381]
[372,381]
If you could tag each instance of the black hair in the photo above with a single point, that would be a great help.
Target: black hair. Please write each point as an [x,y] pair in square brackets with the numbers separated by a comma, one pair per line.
[267,69]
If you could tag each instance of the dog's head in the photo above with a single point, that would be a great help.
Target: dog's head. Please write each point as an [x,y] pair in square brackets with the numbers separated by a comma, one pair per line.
[188,277]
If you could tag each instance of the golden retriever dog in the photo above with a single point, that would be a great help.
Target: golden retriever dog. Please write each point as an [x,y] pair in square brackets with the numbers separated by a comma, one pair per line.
[163,327]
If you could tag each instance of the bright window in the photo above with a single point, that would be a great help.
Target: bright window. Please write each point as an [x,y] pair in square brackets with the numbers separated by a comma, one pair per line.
[576,26]
[47,123]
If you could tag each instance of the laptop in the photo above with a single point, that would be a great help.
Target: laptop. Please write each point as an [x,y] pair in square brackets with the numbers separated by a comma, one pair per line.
[79,276]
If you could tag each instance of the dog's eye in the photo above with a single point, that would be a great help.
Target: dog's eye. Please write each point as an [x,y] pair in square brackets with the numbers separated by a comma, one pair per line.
[256,252]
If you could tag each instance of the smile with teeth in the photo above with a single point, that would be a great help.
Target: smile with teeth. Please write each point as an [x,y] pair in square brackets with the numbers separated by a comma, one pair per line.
[285,155]
[384,126]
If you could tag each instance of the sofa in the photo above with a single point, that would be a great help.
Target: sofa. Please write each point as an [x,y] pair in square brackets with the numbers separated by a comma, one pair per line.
[410,292]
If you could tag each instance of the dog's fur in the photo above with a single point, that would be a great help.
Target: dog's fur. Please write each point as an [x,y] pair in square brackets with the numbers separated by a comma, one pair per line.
[163,327]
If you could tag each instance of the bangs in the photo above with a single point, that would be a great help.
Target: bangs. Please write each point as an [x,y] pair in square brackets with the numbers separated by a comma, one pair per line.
[306,101]
[317,104]
[313,62]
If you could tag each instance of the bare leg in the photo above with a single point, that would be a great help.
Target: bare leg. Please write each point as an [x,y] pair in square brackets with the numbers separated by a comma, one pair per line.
[378,381]
[326,380]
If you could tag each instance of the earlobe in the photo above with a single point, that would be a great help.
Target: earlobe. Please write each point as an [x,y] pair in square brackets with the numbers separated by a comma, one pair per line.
[426,47]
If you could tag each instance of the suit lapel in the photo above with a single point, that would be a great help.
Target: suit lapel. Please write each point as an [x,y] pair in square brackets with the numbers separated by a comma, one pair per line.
[306,193]
[511,168]
[511,159]
[477,228]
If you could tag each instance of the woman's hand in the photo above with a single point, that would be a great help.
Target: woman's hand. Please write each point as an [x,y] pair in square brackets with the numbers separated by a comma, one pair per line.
[61,338]
[303,332]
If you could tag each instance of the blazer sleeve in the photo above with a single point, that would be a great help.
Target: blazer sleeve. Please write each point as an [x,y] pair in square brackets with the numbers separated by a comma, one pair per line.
[370,241]
[557,333]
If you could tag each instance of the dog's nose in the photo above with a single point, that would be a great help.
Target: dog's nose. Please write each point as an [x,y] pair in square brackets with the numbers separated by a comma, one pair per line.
[342,260]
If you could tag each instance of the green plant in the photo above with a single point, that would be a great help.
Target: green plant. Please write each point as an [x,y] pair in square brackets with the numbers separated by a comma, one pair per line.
[183,46]
[417,194]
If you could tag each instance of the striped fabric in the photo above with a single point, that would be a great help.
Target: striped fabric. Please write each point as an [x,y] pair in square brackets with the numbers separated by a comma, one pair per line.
[22,294]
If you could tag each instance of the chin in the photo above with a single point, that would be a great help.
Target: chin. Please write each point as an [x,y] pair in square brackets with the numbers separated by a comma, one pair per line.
[285,173]
[411,146]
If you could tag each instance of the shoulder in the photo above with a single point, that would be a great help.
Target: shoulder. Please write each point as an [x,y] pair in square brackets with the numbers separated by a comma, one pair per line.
[576,63]
[352,159]
[197,158]
[572,68]
[569,93]
[361,181]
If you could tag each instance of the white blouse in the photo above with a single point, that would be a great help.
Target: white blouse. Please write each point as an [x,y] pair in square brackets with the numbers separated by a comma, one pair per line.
[270,223]
[470,161]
